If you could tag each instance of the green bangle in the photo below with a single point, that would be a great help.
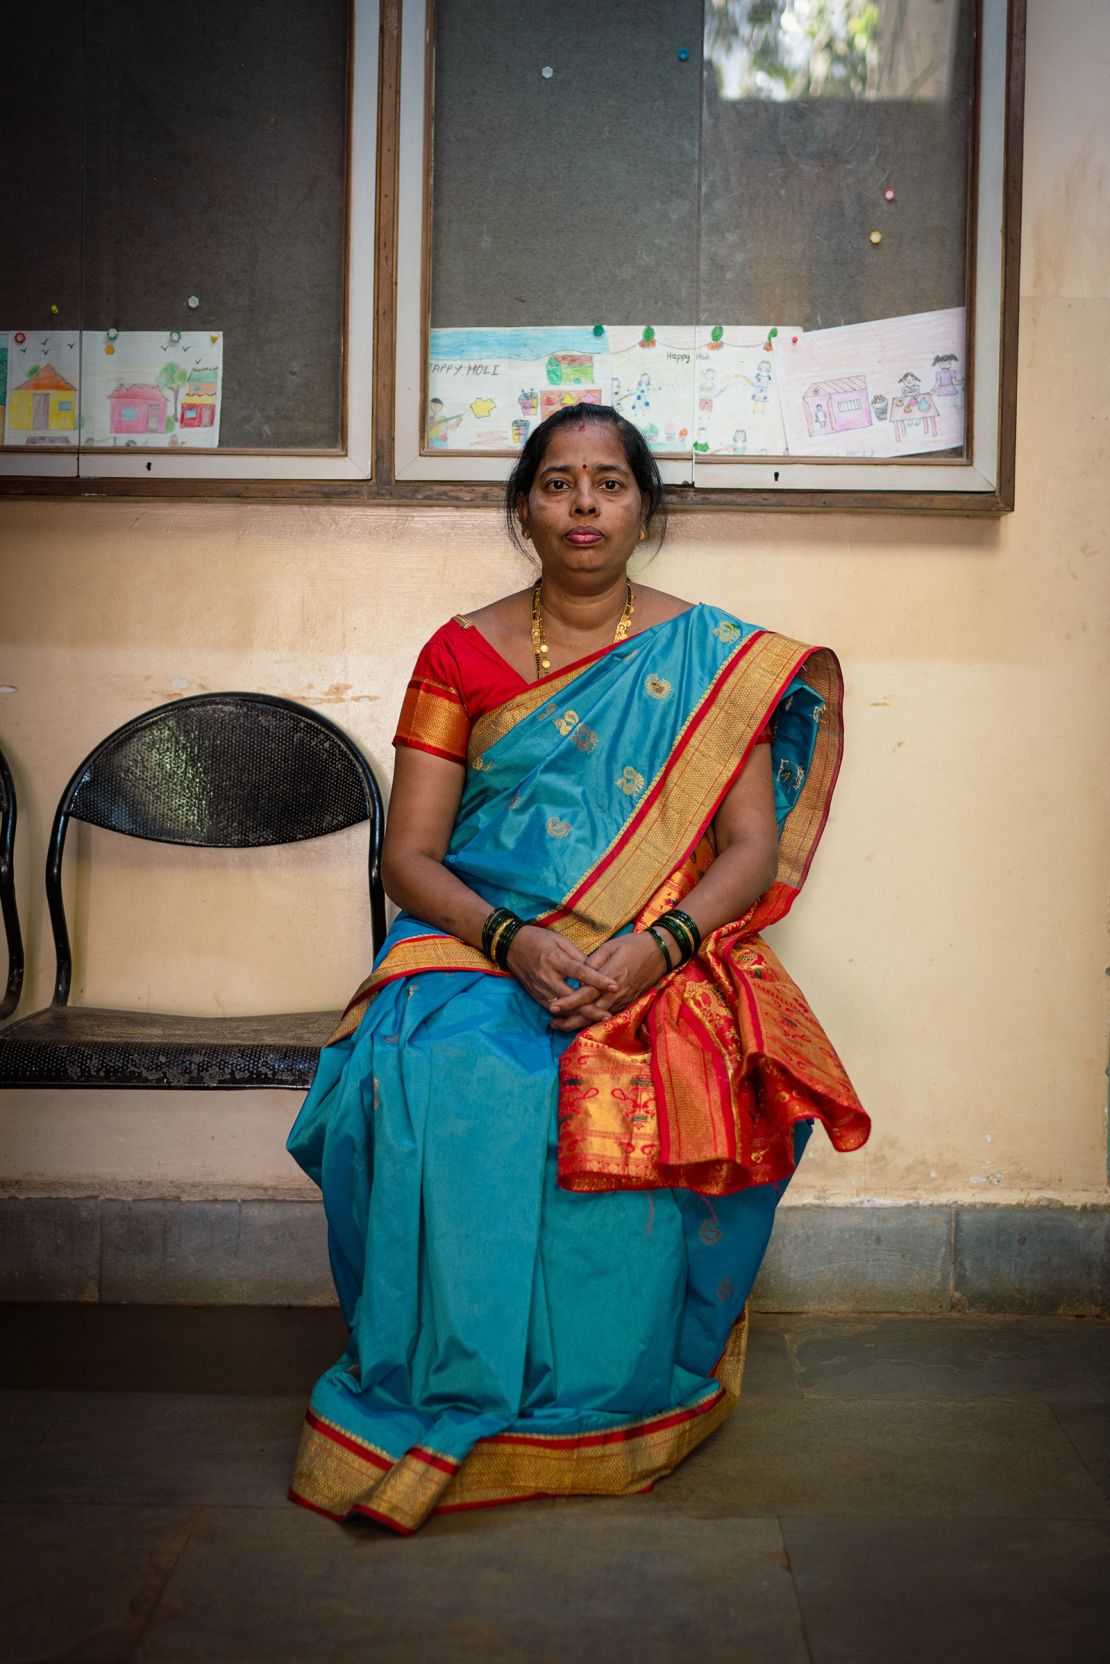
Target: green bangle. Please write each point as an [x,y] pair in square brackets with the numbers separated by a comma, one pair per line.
[495,922]
[506,936]
[680,935]
[680,917]
[661,945]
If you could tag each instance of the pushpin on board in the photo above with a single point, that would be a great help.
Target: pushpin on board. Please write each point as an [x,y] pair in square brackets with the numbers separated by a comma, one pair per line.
[193,301]
[876,237]
[175,336]
[54,311]
[547,72]
[647,339]
[771,333]
[112,334]
[599,329]
[793,340]
[683,54]
[889,194]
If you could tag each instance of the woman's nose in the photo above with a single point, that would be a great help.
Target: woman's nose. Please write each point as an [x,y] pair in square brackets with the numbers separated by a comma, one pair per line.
[585,498]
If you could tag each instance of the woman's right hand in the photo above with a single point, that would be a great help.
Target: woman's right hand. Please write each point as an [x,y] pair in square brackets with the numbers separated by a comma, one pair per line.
[542,962]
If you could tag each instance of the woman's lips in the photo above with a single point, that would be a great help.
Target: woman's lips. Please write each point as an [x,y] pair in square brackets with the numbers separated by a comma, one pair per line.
[584,536]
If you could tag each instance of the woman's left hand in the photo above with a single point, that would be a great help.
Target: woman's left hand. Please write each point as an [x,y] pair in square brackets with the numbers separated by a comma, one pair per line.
[635,964]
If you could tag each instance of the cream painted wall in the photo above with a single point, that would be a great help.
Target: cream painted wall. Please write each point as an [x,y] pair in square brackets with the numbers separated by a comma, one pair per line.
[953,934]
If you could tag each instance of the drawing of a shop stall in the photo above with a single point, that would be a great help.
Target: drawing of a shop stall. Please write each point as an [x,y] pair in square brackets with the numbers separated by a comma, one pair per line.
[137,408]
[198,400]
[836,406]
[44,404]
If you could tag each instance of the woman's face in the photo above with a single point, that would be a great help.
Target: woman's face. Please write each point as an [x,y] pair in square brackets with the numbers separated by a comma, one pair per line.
[585,510]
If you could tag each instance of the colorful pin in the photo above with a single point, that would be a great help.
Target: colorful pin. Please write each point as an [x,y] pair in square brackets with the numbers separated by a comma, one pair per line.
[54,311]
[683,54]
[175,336]
[193,302]
[547,72]
[112,334]
[599,329]
[876,237]
[889,194]
[771,333]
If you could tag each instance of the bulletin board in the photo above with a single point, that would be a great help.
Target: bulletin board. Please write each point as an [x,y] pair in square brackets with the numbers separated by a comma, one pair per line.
[177,177]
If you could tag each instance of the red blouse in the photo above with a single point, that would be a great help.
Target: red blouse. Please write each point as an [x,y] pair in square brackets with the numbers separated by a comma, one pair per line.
[458,677]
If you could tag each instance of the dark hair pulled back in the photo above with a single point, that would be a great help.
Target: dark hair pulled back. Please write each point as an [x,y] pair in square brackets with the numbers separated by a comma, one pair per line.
[637,453]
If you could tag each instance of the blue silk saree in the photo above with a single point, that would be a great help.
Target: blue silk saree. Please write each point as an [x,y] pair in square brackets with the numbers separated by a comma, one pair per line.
[543,1244]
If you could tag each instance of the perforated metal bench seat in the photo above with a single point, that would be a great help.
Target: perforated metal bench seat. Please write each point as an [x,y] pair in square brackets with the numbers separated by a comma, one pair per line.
[87,1046]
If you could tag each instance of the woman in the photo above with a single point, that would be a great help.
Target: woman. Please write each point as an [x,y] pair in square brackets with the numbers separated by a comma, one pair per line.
[553,1126]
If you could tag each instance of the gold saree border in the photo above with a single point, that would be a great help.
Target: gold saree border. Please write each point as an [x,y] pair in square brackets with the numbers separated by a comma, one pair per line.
[495,724]
[338,1475]
[705,761]
[417,953]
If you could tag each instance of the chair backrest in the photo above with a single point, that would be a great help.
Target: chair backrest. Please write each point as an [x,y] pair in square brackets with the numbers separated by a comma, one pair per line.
[220,771]
[9,999]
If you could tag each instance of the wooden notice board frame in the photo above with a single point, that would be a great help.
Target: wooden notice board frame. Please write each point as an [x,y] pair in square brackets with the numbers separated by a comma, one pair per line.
[384,458]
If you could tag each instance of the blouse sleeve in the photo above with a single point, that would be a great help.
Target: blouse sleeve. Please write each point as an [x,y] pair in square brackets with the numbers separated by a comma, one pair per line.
[433,715]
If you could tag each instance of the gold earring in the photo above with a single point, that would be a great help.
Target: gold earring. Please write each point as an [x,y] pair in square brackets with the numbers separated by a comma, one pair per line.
[525,533]
[643,534]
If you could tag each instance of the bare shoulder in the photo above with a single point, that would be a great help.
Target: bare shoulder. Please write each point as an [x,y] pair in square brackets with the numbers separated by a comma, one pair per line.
[655,606]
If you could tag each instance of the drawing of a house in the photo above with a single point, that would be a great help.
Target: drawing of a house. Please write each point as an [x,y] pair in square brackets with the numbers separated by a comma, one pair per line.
[837,406]
[45,403]
[198,401]
[139,408]
[570,369]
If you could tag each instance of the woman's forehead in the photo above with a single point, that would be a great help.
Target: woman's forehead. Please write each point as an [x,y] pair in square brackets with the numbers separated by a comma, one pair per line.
[584,444]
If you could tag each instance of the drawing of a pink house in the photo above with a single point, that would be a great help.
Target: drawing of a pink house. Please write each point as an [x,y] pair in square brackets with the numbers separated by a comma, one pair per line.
[140,408]
[837,406]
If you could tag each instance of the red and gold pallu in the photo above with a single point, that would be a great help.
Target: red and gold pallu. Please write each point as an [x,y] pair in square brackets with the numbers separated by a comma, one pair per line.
[588,806]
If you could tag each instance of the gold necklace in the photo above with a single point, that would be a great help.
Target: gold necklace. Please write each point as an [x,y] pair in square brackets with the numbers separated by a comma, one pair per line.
[541,651]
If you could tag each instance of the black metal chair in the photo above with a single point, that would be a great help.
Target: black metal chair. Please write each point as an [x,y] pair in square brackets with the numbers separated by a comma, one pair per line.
[219,771]
[14,986]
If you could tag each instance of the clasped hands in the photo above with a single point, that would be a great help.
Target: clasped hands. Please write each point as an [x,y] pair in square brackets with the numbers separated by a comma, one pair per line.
[610,978]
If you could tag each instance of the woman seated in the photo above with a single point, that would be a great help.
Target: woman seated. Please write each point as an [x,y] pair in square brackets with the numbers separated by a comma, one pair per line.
[553,1127]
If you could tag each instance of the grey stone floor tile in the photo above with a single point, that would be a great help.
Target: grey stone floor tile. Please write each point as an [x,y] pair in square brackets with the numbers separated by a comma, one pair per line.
[953,1357]
[972,1591]
[769,1371]
[165,1448]
[78,1583]
[525,1584]
[105,1348]
[1088,1428]
[871,1457]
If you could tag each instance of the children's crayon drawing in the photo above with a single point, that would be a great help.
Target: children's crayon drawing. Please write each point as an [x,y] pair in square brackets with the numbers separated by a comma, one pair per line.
[488,388]
[142,388]
[41,395]
[737,410]
[891,387]
[653,382]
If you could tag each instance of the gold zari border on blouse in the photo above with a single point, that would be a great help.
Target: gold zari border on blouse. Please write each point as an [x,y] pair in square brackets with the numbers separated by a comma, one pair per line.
[331,1476]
